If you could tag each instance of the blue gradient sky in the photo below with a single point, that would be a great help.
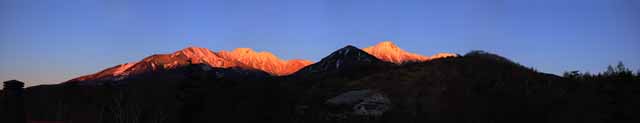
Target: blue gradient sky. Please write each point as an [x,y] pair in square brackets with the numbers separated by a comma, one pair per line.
[50,41]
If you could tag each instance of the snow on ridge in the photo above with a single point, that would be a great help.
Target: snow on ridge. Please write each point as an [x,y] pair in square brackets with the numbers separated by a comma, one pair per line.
[388,51]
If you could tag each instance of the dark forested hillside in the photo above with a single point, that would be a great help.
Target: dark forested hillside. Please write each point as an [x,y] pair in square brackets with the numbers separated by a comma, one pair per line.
[476,87]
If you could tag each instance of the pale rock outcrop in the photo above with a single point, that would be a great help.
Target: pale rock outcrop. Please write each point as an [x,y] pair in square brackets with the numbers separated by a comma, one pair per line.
[363,102]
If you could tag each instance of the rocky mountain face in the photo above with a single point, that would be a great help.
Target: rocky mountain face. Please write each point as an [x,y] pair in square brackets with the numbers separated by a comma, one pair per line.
[264,61]
[388,51]
[243,58]
[342,58]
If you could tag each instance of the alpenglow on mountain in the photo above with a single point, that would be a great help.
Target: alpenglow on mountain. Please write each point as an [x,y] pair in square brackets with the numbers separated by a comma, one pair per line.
[247,58]
[244,58]
[388,51]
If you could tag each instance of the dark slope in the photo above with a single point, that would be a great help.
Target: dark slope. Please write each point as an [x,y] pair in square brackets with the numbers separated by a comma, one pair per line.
[342,59]
[345,63]
[162,94]
[478,87]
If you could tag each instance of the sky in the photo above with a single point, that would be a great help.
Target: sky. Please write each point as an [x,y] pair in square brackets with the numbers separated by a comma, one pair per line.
[51,41]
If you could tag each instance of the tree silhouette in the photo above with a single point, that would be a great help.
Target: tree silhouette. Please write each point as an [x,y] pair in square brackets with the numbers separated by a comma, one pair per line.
[619,70]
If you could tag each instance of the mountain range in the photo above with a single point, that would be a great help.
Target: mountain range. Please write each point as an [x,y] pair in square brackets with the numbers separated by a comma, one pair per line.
[248,59]
[381,83]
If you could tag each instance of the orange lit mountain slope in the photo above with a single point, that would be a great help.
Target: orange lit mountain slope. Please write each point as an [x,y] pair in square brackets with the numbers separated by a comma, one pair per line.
[241,57]
[387,51]
[263,61]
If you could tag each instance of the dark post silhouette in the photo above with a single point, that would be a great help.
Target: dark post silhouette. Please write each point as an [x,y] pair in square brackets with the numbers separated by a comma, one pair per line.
[13,103]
